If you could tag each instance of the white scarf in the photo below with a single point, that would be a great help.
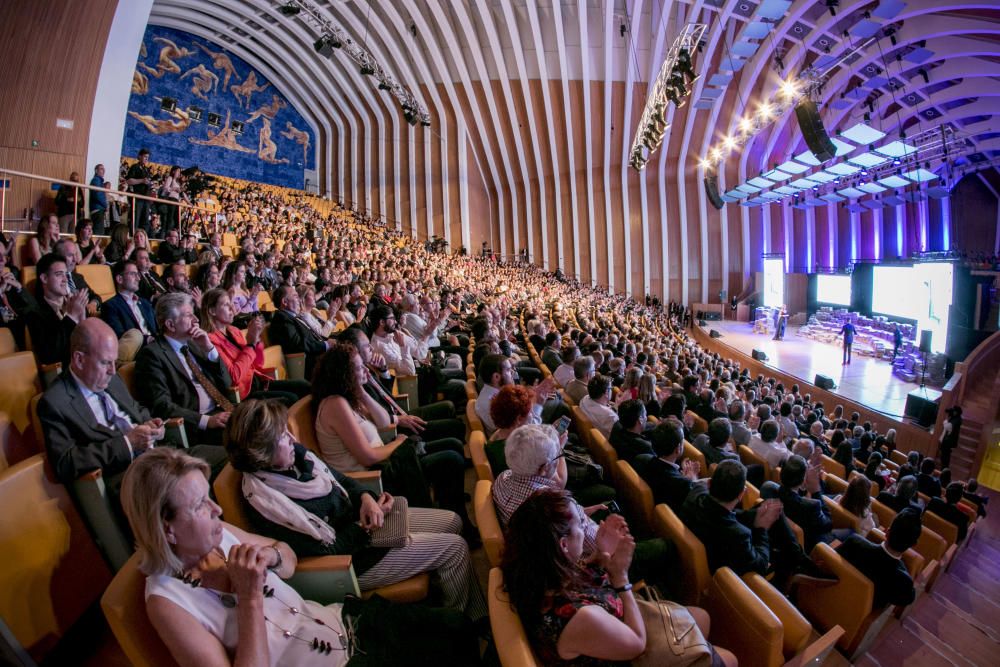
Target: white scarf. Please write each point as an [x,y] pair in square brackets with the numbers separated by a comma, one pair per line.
[270,493]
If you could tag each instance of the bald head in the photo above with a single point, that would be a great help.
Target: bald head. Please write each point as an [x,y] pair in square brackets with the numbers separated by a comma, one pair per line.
[93,352]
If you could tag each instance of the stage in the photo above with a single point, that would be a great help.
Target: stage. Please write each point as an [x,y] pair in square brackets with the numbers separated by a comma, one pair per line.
[866,380]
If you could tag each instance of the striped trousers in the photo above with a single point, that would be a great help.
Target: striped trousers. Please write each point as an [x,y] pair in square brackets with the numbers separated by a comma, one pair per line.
[435,547]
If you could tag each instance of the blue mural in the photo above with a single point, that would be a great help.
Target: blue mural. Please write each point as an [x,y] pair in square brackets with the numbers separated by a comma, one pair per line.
[193,103]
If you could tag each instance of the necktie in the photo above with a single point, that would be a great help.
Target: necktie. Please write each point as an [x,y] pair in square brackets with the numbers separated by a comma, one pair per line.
[72,285]
[111,415]
[388,399]
[205,383]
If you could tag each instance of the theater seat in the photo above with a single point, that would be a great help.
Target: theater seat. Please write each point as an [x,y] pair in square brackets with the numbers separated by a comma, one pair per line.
[51,571]
[98,276]
[841,517]
[750,457]
[323,579]
[21,383]
[848,603]
[509,637]
[603,454]
[471,392]
[637,497]
[831,467]
[7,344]
[834,484]
[127,373]
[274,359]
[691,452]
[744,622]
[695,576]
[699,425]
[473,420]
[487,522]
[477,448]
[124,605]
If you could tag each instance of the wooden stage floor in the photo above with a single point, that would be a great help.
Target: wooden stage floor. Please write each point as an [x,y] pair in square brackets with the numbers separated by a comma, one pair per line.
[866,380]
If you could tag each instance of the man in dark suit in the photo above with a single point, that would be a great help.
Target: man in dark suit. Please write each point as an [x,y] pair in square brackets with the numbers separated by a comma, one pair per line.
[905,496]
[927,483]
[127,311]
[179,373]
[550,355]
[56,312]
[627,434]
[69,250]
[947,508]
[802,500]
[170,249]
[671,483]
[151,285]
[883,564]
[291,333]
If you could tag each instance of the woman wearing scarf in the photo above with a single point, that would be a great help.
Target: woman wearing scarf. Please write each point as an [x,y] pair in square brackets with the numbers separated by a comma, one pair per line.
[292,496]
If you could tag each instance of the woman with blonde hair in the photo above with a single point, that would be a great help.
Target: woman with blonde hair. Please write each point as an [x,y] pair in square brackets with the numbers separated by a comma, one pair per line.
[216,594]
[858,501]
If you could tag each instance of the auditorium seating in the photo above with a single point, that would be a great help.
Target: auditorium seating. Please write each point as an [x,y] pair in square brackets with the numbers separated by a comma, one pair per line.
[487,521]
[637,498]
[21,384]
[124,605]
[477,448]
[693,561]
[511,642]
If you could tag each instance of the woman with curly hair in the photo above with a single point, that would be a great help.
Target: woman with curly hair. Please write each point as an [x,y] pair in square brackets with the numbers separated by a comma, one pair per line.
[348,438]
[207,277]
[509,409]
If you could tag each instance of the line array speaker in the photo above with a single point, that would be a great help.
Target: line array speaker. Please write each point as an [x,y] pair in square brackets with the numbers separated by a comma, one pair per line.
[714,333]
[813,131]
[759,355]
[712,190]
[823,381]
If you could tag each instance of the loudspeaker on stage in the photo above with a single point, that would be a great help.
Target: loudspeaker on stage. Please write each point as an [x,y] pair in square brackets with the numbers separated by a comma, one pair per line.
[824,382]
[759,355]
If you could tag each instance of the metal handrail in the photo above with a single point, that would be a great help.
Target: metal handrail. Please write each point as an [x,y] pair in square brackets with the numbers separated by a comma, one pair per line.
[84,186]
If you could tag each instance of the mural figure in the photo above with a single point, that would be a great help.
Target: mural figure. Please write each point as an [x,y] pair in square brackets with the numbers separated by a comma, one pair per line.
[269,110]
[168,55]
[221,61]
[180,123]
[298,136]
[248,88]
[142,50]
[224,138]
[266,148]
[140,83]
[203,82]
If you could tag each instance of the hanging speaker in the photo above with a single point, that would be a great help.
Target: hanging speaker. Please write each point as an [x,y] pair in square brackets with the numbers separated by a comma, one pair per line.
[813,131]
[712,190]
[925,341]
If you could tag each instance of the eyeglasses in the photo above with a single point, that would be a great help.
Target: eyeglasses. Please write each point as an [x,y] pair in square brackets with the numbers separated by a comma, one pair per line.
[560,455]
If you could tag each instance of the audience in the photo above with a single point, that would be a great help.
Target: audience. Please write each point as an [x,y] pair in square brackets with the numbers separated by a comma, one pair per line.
[289,331]
[883,564]
[669,480]
[596,405]
[628,435]
[947,508]
[56,312]
[129,315]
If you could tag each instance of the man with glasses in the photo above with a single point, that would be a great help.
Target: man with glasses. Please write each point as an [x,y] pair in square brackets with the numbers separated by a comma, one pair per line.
[496,371]
[129,315]
[56,313]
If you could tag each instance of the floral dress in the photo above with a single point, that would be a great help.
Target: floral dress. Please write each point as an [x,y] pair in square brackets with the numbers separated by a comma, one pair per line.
[557,610]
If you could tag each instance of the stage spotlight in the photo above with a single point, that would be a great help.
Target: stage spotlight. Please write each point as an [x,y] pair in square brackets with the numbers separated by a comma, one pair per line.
[765,112]
[674,97]
[746,125]
[922,72]
[367,70]
[716,154]
[323,47]
[677,81]
[729,142]
[684,64]
[895,162]
[789,88]
[832,6]
[289,9]
[382,85]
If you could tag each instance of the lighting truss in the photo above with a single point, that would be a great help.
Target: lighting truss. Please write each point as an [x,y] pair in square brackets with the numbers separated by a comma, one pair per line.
[672,85]
[335,36]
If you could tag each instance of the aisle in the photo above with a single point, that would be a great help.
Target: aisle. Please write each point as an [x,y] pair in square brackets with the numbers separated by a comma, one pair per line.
[959,623]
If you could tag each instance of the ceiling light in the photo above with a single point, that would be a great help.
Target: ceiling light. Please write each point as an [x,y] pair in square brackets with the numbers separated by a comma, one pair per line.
[789,88]
[290,9]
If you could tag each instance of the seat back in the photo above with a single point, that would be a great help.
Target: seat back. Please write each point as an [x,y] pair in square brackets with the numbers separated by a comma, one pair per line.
[583,426]
[228,493]
[273,358]
[750,457]
[302,423]
[471,392]
[942,527]
[603,453]
[490,531]
[98,276]
[751,495]
[7,344]
[884,513]
[508,632]
[897,457]
[742,622]
[477,448]
[796,630]
[848,603]
[124,605]
[831,467]
[834,484]
[699,425]
[692,452]
[695,576]
[127,373]
[21,383]
[638,498]
[51,571]
[473,420]
[840,516]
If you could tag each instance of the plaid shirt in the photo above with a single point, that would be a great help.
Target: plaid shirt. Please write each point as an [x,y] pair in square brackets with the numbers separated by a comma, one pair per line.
[510,490]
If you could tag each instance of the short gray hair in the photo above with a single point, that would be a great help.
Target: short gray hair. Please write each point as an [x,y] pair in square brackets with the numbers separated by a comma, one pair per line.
[169,305]
[583,366]
[530,447]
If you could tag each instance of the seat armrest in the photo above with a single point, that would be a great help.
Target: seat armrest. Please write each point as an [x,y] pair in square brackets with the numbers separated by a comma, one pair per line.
[403,400]
[371,480]
[49,373]
[295,365]
[178,423]
[816,653]
[95,506]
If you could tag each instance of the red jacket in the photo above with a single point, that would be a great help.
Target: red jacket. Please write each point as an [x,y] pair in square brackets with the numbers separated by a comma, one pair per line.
[242,360]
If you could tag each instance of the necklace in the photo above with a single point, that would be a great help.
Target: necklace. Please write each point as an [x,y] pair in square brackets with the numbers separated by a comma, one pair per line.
[230,601]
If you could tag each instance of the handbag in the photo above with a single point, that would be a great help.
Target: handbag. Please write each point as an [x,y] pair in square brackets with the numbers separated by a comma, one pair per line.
[672,636]
[395,530]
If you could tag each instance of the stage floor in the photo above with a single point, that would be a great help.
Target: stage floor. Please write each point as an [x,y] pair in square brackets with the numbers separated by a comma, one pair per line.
[867,381]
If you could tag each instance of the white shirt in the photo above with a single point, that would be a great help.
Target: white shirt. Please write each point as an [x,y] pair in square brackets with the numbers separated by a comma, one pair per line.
[205,402]
[398,358]
[601,416]
[98,409]
[774,453]
[484,400]
[564,374]
[132,300]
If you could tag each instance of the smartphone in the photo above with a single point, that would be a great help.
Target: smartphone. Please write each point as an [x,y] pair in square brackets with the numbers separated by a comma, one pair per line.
[613,507]
[562,424]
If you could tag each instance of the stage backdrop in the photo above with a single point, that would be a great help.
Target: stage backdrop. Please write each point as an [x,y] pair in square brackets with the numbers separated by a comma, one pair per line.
[193,103]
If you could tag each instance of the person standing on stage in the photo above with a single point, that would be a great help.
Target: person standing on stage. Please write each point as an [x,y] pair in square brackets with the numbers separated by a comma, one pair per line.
[780,321]
[949,434]
[897,340]
[847,331]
